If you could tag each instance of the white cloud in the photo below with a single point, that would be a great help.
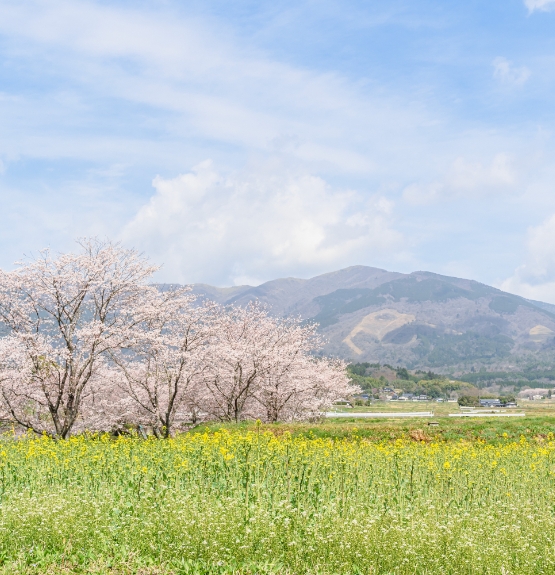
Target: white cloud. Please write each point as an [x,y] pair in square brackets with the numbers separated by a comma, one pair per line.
[147,89]
[535,279]
[466,178]
[420,194]
[542,5]
[230,229]
[507,73]
[198,82]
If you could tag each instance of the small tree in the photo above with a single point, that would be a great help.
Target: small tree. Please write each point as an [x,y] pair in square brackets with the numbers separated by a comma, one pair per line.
[402,373]
[468,401]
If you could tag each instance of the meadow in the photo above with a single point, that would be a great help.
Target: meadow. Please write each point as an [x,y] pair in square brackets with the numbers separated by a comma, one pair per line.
[268,499]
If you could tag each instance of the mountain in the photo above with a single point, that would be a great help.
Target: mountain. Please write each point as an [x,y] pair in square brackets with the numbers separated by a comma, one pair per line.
[418,320]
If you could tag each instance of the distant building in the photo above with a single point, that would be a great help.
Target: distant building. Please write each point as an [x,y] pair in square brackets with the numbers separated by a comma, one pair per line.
[490,403]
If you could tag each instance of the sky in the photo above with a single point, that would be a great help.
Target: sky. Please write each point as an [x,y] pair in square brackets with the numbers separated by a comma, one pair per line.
[238,142]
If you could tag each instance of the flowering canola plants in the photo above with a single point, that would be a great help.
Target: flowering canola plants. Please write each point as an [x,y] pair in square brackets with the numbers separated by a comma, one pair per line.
[256,502]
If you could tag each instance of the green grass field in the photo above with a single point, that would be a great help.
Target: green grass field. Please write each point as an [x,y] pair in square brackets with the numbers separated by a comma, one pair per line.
[538,423]
[442,409]
[381,497]
[490,430]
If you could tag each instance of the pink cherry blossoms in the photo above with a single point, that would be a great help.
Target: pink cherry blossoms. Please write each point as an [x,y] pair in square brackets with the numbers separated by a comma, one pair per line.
[89,344]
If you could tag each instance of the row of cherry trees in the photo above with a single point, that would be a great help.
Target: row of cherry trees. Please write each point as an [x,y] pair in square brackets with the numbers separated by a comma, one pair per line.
[89,343]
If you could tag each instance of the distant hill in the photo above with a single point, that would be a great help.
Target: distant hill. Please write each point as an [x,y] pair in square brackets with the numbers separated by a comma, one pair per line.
[419,320]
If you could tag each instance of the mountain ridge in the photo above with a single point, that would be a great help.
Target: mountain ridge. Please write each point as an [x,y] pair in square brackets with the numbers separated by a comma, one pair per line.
[418,320]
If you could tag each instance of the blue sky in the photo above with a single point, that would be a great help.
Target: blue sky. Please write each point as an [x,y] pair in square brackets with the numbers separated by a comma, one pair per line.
[236,142]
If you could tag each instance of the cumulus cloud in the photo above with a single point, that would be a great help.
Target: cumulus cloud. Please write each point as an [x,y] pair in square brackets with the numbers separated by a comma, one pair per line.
[148,86]
[535,279]
[251,228]
[541,5]
[505,72]
[466,178]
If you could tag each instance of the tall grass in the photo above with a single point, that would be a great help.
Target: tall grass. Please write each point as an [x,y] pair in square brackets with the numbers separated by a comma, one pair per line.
[254,502]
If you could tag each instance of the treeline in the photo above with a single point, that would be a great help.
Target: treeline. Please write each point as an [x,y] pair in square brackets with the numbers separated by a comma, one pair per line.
[90,344]
[418,383]
[527,377]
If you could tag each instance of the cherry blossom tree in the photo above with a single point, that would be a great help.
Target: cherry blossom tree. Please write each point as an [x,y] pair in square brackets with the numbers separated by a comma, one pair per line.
[294,384]
[302,390]
[61,316]
[237,360]
[284,374]
[87,343]
[161,369]
[322,382]
[262,367]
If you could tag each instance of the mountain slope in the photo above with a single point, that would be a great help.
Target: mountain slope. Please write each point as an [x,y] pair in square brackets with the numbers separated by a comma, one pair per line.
[297,296]
[418,320]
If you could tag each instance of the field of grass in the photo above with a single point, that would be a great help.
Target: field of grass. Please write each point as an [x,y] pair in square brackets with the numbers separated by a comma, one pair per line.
[443,409]
[492,431]
[379,497]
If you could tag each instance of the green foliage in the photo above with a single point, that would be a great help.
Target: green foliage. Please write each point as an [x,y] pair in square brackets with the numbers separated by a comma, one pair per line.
[435,387]
[427,375]
[402,373]
[494,431]
[469,401]
[366,383]
[520,378]
[419,383]
[361,368]
[357,373]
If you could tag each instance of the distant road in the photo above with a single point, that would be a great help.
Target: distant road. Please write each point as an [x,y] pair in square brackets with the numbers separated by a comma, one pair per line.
[390,414]
[470,414]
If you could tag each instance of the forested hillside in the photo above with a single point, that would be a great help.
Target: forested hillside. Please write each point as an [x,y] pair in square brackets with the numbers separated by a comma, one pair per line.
[419,320]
